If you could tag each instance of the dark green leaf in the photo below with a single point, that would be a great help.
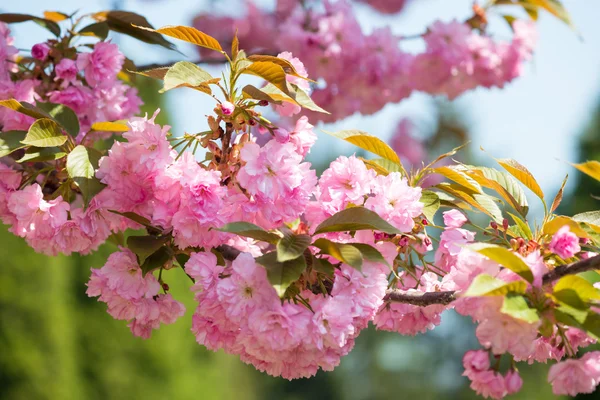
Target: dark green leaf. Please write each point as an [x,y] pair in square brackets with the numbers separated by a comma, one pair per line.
[250,230]
[282,274]
[62,114]
[13,18]
[123,21]
[355,219]
[11,141]
[292,246]
[157,260]
[323,266]
[98,29]
[35,154]
[145,246]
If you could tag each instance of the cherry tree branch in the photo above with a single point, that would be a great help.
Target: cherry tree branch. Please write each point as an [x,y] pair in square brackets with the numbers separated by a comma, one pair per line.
[423,299]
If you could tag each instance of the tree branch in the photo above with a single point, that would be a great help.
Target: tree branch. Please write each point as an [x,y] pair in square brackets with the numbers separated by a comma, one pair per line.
[423,299]
[208,61]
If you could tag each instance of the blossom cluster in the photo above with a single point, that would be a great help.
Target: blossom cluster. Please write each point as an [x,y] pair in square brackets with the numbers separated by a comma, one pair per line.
[87,83]
[328,39]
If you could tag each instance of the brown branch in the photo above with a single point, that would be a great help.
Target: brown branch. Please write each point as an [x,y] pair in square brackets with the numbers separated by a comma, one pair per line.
[209,61]
[423,299]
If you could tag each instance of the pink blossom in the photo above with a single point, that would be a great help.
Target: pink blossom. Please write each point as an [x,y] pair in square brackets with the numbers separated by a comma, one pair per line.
[565,243]
[203,268]
[513,382]
[227,108]
[66,70]
[574,376]
[40,51]
[102,64]
[454,219]
[303,136]
[504,333]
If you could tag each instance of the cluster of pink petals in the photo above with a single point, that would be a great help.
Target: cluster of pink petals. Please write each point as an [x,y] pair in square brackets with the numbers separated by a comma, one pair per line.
[574,376]
[240,312]
[487,382]
[329,38]
[89,85]
[131,296]
[565,243]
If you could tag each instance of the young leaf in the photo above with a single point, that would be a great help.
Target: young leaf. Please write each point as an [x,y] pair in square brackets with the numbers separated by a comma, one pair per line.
[523,175]
[235,46]
[187,74]
[133,25]
[559,195]
[250,230]
[45,133]
[591,218]
[483,203]
[24,108]
[343,252]
[287,66]
[98,29]
[431,203]
[282,274]
[504,184]
[187,34]
[81,166]
[516,306]
[523,226]
[303,99]
[55,16]
[110,127]
[591,168]
[252,92]
[370,143]
[552,226]
[145,246]
[487,285]
[383,166]
[62,114]
[11,141]
[489,205]
[157,260]
[459,177]
[323,266]
[555,8]
[355,219]
[270,72]
[504,257]
[13,18]
[370,253]
[292,246]
[582,288]
[34,154]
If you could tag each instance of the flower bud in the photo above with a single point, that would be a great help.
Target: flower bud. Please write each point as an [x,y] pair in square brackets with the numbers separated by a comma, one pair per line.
[227,108]
[263,103]
[505,224]
[494,225]
[513,382]
[40,51]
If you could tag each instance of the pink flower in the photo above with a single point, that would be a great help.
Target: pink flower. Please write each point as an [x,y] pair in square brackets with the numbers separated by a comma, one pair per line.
[124,276]
[40,51]
[476,361]
[574,376]
[503,333]
[454,219]
[203,268]
[513,381]
[488,384]
[565,243]
[227,108]
[303,136]
[281,135]
[102,64]
[66,70]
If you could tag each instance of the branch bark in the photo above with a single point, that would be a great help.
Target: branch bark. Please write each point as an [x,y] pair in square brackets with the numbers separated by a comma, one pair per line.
[424,299]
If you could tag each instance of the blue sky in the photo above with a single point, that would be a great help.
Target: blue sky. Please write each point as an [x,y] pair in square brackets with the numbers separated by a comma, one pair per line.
[535,120]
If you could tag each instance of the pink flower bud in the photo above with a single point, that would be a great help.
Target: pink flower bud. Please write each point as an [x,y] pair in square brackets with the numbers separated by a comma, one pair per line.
[227,108]
[40,51]
[513,381]
[263,103]
[282,135]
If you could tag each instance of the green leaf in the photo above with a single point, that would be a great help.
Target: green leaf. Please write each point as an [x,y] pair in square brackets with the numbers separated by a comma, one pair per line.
[523,226]
[591,218]
[11,141]
[523,175]
[292,246]
[516,306]
[282,274]
[133,25]
[355,219]
[145,246]
[81,166]
[250,230]
[370,253]
[13,18]
[504,257]
[383,166]
[431,203]
[45,133]
[367,142]
[34,154]
[459,177]
[62,114]
[182,259]
[580,287]
[134,217]
[98,29]
[552,226]
[323,266]
[346,253]
[487,285]
[157,260]
[187,74]
[481,202]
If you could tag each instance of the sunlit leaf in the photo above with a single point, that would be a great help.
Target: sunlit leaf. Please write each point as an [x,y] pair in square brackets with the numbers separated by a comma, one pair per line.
[110,126]
[45,133]
[552,226]
[187,34]
[187,74]
[287,66]
[282,274]
[62,114]
[34,154]
[24,108]
[55,16]
[270,72]
[523,226]
[367,142]
[591,168]
[559,195]
[253,92]
[504,184]
[487,285]
[504,257]
[459,177]
[516,306]
[81,166]
[431,203]
[523,175]
[343,252]
[292,246]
